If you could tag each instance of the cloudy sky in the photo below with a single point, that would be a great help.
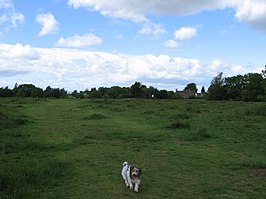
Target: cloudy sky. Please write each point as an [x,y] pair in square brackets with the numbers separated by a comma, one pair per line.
[79,44]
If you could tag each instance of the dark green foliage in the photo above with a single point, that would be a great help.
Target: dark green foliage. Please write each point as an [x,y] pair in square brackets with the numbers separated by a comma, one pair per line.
[191,87]
[6,92]
[29,90]
[54,92]
[217,90]
[234,86]
[250,87]
[253,87]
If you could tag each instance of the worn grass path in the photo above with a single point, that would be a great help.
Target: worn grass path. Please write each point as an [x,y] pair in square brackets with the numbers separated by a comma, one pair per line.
[186,148]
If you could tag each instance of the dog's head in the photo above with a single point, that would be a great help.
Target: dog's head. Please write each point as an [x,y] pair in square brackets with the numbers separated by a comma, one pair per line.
[135,172]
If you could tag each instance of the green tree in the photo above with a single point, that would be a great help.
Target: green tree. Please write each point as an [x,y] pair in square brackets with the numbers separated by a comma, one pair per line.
[253,89]
[234,86]
[6,92]
[37,92]
[217,91]
[25,90]
[203,90]
[135,90]
[264,72]
[191,87]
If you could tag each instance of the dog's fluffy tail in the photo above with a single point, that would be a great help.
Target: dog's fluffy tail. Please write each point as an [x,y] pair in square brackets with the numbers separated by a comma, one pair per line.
[125,163]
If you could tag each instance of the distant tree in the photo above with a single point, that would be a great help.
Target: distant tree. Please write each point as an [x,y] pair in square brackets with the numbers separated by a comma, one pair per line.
[162,94]
[26,90]
[75,94]
[115,92]
[253,89]
[48,91]
[191,87]
[152,92]
[6,92]
[217,91]
[54,92]
[234,86]
[37,92]
[203,90]
[103,91]
[94,93]
[135,90]
[264,72]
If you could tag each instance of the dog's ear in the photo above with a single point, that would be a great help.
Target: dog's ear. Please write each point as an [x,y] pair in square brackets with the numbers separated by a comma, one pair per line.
[130,170]
[140,170]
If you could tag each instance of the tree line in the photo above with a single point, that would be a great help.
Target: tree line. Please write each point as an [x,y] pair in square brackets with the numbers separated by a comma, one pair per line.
[29,90]
[248,87]
[137,90]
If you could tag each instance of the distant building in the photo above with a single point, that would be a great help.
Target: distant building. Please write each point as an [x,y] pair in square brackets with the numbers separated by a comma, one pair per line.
[187,93]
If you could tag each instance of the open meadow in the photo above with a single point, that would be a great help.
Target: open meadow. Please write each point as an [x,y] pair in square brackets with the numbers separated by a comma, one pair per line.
[75,148]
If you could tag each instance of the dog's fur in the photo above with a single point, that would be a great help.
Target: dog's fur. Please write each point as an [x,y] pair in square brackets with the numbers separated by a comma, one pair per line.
[131,176]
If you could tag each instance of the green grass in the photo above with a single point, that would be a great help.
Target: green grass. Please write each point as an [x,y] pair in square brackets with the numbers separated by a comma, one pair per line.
[69,148]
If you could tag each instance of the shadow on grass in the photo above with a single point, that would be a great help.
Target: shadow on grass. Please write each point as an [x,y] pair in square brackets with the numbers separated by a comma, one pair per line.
[96,116]
[179,125]
[201,134]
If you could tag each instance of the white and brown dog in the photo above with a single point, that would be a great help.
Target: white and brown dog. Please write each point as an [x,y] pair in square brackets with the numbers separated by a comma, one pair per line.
[131,176]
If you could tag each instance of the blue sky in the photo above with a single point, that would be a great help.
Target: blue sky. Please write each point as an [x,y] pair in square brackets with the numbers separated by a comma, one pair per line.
[79,44]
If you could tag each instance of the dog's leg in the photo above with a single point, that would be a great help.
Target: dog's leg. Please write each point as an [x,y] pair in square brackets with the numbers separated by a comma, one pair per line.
[136,189]
[125,178]
[130,185]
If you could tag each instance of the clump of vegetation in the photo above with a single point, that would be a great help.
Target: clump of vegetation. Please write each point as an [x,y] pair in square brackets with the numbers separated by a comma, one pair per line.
[7,122]
[179,125]
[260,111]
[96,116]
[201,134]
[182,116]
[23,180]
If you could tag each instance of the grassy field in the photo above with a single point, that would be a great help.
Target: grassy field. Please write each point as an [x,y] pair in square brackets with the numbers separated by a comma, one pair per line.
[72,148]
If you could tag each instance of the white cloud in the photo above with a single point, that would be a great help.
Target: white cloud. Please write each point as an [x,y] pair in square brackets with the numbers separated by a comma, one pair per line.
[151,29]
[17,17]
[171,44]
[49,24]
[3,19]
[81,69]
[6,4]
[185,33]
[18,51]
[252,12]
[78,41]
[9,17]
[136,10]
[129,10]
